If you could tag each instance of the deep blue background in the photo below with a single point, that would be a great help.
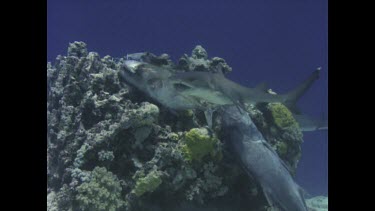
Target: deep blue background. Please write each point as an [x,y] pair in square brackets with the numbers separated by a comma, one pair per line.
[280,42]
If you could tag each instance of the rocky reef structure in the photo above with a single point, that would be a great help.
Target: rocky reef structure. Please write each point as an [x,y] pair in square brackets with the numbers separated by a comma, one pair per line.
[109,147]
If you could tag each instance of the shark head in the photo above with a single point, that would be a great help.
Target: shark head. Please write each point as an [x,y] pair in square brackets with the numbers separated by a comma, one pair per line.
[144,76]
[132,72]
[156,81]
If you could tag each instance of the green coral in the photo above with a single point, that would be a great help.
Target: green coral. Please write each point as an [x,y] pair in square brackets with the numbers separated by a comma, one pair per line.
[282,148]
[197,143]
[149,183]
[101,192]
[173,136]
[281,115]
[188,113]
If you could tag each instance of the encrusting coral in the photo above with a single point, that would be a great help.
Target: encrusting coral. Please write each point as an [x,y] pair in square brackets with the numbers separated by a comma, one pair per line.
[148,183]
[197,143]
[281,115]
[101,192]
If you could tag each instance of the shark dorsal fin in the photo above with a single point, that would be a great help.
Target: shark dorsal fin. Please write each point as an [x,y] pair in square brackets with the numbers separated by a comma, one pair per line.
[262,87]
[293,108]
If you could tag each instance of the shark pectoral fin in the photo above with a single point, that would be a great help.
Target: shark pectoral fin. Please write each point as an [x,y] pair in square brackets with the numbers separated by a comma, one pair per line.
[241,108]
[208,114]
[239,104]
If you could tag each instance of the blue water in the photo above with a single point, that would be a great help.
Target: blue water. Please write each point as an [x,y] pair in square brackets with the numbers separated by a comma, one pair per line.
[280,42]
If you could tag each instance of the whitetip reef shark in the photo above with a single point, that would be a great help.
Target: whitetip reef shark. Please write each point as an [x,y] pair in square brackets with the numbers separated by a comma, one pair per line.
[261,161]
[212,91]
[307,123]
[208,91]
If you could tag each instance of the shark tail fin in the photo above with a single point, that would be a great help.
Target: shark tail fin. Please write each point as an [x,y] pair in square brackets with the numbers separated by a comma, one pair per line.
[292,97]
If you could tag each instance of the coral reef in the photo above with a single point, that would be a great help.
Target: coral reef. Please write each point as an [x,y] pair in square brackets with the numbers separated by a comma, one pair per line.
[148,183]
[109,147]
[318,203]
[101,192]
[282,117]
[199,62]
[198,143]
[280,129]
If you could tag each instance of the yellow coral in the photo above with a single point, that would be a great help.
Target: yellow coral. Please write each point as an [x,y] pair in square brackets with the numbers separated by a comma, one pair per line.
[149,183]
[282,148]
[282,117]
[197,143]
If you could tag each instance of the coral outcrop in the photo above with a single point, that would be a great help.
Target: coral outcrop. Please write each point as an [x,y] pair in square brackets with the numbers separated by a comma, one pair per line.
[197,143]
[109,147]
[102,191]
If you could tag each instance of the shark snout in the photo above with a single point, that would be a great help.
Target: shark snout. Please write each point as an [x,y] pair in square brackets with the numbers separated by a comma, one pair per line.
[132,65]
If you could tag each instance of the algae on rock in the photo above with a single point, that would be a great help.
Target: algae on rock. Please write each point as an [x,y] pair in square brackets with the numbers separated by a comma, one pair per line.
[102,192]
[149,183]
[281,115]
[198,143]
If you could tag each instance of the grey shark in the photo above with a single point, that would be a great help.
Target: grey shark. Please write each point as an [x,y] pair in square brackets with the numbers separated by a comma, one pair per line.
[201,83]
[260,161]
[202,90]
[218,90]
[155,82]
[308,123]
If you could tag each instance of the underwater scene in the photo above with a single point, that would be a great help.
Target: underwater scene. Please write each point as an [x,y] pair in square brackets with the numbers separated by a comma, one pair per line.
[187,105]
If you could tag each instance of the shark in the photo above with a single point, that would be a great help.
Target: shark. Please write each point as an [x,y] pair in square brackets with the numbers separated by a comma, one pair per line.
[309,124]
[212,91]
[155,82]
[260,161]
[203,84]
[206,91]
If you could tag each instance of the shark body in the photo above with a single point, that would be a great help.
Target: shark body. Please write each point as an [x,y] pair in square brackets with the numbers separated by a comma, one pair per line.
[204,90]
[201,83]
[155,82]
[211,91]
[260,161]
[308,123]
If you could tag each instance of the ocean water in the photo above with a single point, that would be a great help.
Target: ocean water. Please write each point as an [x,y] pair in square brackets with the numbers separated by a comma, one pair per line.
[277,42]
